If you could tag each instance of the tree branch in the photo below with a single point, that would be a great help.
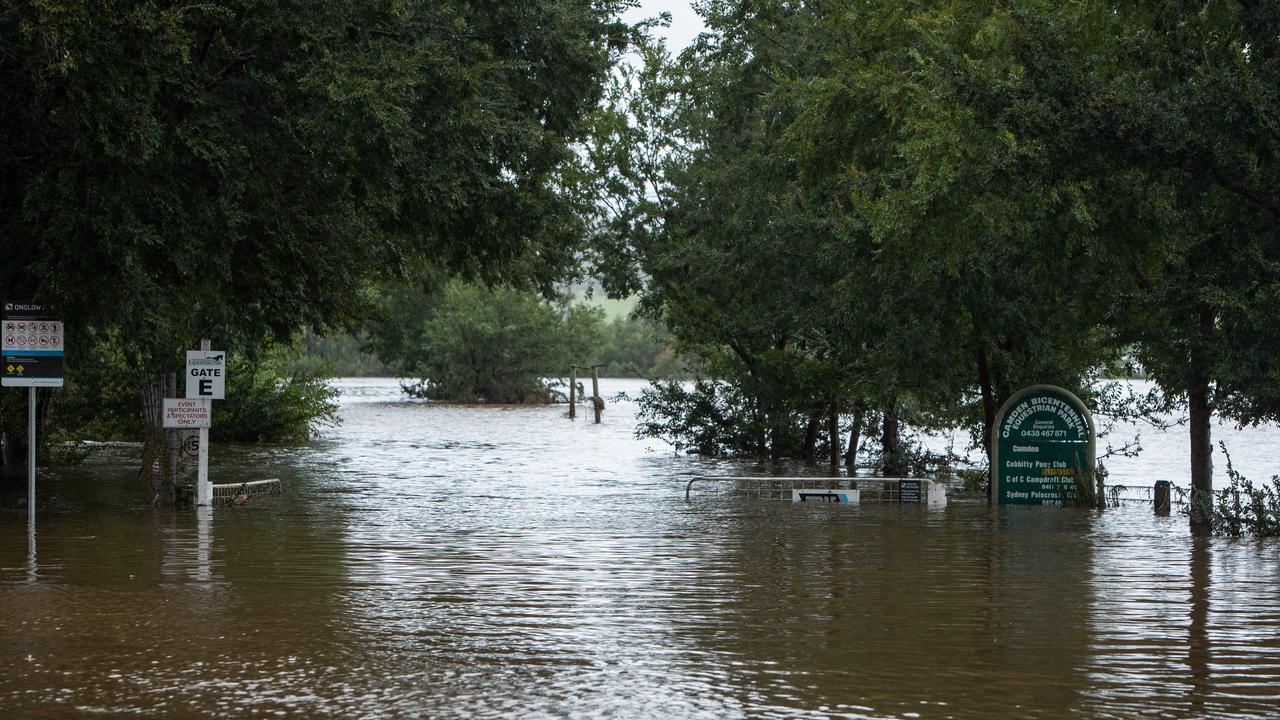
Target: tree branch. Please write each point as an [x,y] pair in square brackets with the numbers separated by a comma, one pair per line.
[1266,203]
[208,41]
[231,68]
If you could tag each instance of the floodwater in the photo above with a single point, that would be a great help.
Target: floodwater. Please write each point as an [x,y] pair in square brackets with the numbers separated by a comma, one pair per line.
[447,561]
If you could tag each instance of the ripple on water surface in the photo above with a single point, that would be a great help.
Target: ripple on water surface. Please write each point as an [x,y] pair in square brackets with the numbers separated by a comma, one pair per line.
[458,561]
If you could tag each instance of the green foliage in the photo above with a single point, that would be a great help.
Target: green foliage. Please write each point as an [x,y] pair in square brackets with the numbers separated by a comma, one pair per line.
[940,202]
[238,170]
[1242,508]
[710,418]
[267,401]
[265,405]
[101,398]
[470,343]
[343,353]
[737,262]
[584,333]
[295,150]
[635,347]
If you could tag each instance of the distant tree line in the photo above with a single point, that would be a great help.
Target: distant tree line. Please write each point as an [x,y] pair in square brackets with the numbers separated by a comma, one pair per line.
[857,215]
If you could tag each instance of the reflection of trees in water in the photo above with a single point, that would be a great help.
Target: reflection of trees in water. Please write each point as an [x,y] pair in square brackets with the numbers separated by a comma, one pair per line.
[1198,655]
[136,608]
[1232,636]
[1186,626]
[892,610]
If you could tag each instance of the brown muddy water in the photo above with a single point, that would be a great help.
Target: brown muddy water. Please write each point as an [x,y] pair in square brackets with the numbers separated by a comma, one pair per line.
[448,561]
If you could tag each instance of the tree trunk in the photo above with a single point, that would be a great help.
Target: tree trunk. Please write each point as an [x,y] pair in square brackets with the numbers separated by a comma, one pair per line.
[172,440]
[811,438]
[892,459]
[988,411]
[1200,410]
[855,436]
[155,446]
[833,435]
[9,450]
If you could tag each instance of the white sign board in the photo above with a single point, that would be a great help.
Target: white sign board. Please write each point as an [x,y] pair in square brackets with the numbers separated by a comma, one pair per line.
[22,336]
[187,413]
[824,495]
[207,374]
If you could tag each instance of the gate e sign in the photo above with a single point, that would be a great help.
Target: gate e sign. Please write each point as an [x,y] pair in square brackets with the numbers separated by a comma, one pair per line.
[207,374]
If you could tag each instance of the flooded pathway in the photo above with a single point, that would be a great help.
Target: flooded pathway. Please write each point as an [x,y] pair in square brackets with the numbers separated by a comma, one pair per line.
[451,561]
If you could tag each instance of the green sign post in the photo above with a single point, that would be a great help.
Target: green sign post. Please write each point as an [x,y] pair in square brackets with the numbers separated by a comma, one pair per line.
[1044,443]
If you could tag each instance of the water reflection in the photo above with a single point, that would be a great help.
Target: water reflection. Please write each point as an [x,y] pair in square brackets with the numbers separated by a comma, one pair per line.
[1198,655]
[452,561]
[31,550]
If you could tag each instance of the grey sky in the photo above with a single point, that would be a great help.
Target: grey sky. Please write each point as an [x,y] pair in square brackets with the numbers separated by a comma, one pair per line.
[685,23]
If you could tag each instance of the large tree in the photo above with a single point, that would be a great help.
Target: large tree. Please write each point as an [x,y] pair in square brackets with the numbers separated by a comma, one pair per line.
[705,214]
[849,211]
[237,170]
[1195,116]
[951,130]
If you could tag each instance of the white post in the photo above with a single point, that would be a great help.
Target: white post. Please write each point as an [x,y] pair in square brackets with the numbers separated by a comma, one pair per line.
[204,536]
[204,489]
[31,455]
[31,551]
[31,485]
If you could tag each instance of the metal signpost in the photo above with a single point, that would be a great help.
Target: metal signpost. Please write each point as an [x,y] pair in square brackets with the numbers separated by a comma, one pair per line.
[1043,445]
[30,357]
[206,382]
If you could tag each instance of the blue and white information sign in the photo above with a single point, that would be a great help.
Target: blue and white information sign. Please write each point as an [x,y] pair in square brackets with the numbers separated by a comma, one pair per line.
[31,347]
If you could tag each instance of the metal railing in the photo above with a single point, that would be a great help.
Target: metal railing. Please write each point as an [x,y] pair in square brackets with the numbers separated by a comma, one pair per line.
[236,493]
[874,489]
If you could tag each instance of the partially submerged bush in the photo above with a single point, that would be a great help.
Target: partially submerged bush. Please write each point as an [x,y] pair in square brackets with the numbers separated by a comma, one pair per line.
[708,418]
[1243,508]
[265,405]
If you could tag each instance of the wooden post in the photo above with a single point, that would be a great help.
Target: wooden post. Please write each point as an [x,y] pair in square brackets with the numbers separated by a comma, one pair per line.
[596,401]
[573,391]
[172,441]
[1162,497]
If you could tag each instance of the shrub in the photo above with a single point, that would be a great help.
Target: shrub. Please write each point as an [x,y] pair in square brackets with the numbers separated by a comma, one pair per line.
[1242,508]
[265,405]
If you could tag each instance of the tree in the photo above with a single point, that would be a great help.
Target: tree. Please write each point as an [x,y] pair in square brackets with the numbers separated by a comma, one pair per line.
[979,196]
[469,343]
[1195,119]
[954,132]
[240,170]
[702,212]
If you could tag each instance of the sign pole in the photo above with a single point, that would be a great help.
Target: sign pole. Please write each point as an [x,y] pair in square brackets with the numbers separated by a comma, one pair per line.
[204,489]
[31,454]
[30,356]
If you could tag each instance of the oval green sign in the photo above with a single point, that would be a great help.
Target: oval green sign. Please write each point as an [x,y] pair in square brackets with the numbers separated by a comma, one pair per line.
[1044,443]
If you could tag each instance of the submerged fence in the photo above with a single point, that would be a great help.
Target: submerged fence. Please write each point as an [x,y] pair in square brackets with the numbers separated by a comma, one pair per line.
[236,493]
[1127,495]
